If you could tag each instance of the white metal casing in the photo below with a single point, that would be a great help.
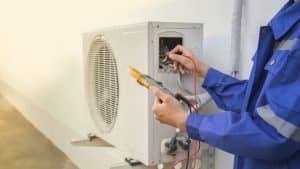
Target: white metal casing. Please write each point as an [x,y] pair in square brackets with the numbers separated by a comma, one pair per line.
[135,132]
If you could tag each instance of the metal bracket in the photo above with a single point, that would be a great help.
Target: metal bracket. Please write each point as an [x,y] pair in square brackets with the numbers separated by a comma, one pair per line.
[206,159]
[91,141]
[206,155]
[126,166]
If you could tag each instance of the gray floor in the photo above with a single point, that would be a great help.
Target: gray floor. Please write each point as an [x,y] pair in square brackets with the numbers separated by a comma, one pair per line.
[24,147]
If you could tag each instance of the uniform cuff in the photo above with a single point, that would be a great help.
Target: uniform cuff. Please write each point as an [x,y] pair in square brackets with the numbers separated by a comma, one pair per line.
[193,125]
[212,78]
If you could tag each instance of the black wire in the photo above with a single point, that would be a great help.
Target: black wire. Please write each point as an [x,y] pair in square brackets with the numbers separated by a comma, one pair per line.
[189,146]
[188,154]
[199,146]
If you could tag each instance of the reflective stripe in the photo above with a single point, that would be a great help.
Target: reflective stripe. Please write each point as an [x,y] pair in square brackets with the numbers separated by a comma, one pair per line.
[286,44]
[282,126]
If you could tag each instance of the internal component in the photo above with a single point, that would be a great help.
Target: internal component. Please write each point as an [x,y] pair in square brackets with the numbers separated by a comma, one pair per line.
[165,45]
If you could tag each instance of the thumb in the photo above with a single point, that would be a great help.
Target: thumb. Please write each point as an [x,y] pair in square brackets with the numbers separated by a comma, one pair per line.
[158,93]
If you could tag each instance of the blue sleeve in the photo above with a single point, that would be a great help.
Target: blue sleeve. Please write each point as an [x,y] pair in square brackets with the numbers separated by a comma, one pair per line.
[227,92]
[241,135]
[272,131]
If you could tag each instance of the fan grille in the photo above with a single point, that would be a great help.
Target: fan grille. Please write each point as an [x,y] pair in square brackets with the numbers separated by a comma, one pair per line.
[103,75]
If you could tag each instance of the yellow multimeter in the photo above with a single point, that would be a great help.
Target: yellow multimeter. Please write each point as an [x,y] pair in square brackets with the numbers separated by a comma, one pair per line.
[148,81]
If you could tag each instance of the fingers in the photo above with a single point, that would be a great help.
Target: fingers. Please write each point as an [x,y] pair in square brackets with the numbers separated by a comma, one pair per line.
[158,93]
[179,58]
[178,48]
[157,101]
[181,62]
[175,65]
[181,69]
[156,108]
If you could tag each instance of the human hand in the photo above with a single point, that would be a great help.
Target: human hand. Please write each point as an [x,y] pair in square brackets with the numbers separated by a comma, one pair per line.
[184,64]
[168,110]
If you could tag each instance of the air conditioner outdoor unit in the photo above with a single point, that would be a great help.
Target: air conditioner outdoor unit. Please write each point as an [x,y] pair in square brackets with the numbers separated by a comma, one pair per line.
[119,107]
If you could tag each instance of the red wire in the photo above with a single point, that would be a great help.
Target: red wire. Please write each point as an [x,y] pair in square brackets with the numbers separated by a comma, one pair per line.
[195,80]
[196,102]
[183,159]
[194,155]
[177,162]
[195,148]
[197,144]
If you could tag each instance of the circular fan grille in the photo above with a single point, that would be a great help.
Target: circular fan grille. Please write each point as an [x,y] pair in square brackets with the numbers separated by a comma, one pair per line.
[104,83]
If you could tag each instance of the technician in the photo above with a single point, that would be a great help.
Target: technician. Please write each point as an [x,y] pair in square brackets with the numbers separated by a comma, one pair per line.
[260,124]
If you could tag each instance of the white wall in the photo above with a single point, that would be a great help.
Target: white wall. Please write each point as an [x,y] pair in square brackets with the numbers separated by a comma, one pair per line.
[41,45]
[256,13]
[41,53]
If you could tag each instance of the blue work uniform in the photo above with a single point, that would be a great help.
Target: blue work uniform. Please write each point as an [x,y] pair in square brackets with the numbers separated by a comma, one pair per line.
[260,124]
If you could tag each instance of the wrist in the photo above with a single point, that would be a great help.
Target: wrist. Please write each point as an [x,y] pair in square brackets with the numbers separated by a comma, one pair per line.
[202,69]
[182,121]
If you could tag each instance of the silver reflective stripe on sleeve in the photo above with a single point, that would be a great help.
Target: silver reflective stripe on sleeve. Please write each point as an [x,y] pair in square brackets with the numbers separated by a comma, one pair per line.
[286,44]
[282,126]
